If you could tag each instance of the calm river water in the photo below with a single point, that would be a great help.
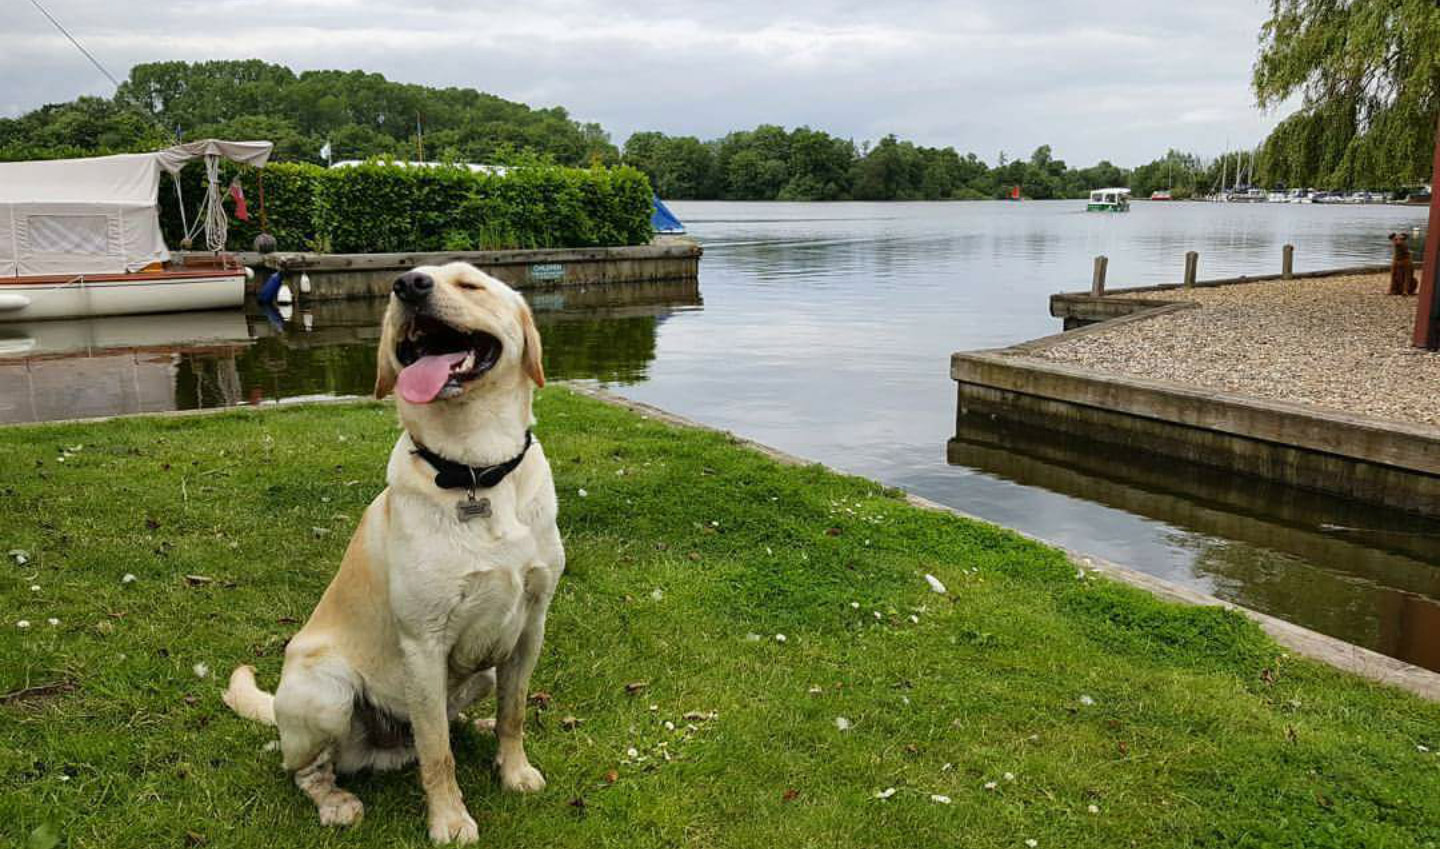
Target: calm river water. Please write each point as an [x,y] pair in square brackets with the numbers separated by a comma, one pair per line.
[826,330]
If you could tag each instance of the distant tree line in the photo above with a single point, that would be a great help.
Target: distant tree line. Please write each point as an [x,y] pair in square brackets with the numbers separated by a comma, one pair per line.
[1338,139]
[771,163]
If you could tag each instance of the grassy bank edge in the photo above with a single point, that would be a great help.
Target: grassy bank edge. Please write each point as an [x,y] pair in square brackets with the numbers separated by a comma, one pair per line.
[1347,657]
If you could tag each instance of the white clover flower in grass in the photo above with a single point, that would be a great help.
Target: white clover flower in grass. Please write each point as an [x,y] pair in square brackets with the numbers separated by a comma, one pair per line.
[780,638]
[201,670]
[842,723]
[854,605]
[885,794]
[991,785]
[1086,701]
[939,799]
[1032,842]
[657,594]
[582,493]
[1009,776]
[128,579]
[1094,809]
[52,621]
[934,583]
[23,624]
[632,753]
[34,588]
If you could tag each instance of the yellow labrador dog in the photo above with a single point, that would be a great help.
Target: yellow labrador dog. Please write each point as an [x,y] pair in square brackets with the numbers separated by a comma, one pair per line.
[442,594]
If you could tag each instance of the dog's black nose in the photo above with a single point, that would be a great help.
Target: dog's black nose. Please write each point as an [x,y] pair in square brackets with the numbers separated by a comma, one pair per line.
[412,287]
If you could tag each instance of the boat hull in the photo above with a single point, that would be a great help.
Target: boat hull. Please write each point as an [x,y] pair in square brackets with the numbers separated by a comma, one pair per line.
[1107,207]
[43,298]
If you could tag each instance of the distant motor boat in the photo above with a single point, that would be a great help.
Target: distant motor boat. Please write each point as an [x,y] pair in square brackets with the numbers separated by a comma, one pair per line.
[1161,194]
[85,237]
[1109,200]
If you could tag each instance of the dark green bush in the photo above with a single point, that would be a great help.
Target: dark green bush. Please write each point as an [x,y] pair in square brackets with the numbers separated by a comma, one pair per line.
[379,207]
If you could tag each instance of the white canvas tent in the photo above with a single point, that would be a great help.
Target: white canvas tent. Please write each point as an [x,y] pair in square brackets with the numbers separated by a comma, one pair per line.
[98,215]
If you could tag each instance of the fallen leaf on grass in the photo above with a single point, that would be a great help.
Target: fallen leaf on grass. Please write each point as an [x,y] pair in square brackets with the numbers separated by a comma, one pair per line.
[790,795]
[636,686]
[193,838]
[198,580]
[540,699]
[569,723]
[611,777]
[885,794]
[934,583]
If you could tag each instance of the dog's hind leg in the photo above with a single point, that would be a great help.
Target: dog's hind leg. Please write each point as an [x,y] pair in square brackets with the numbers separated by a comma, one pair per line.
[314,705]
[336,806]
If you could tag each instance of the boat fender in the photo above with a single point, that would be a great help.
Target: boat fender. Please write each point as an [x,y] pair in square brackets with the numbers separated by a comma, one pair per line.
[10,303]
[249,274]
[284,297]
[267,293]
[304,283]
[286,311]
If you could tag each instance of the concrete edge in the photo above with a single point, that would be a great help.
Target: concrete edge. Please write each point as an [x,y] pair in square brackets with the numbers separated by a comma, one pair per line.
[1013,359]
[1347,657]
[301,261]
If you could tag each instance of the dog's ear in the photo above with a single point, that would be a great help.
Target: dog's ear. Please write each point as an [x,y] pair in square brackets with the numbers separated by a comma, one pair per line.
[385,374]
[1391,237]
[530,358]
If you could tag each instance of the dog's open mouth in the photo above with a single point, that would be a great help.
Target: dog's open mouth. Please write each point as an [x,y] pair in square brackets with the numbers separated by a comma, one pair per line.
[439,360]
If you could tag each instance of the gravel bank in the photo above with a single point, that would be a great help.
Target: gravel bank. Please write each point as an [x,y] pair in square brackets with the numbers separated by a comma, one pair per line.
[1334,342]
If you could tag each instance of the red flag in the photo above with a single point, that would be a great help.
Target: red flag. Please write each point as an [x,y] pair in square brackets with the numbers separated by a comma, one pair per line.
[241,211]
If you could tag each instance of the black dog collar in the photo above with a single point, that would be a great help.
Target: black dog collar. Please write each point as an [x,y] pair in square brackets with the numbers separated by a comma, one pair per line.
[452,475]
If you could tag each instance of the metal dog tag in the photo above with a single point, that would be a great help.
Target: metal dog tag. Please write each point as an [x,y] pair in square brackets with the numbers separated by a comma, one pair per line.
[472,508]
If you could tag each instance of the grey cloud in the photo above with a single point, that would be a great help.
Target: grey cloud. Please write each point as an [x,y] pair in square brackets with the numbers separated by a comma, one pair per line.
[1121,80]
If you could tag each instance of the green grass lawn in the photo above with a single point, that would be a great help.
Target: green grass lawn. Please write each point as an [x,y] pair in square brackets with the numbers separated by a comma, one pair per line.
[1071,712]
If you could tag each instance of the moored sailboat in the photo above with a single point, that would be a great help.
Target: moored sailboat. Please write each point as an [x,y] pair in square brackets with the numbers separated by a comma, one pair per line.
[81,237]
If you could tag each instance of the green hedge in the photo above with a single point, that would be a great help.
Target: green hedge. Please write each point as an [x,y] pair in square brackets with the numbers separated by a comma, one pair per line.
[379,208]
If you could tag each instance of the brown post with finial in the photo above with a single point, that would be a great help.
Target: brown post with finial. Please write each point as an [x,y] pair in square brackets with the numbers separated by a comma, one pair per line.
[1192,264]
[1427,333]
[1287,262]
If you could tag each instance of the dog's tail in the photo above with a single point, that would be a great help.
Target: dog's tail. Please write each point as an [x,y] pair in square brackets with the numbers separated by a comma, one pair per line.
[247,699]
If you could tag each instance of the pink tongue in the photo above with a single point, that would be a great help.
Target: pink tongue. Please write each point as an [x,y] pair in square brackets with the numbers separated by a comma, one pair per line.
[423,379]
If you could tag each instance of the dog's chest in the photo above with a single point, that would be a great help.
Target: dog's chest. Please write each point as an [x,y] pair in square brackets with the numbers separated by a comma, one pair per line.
[476,585]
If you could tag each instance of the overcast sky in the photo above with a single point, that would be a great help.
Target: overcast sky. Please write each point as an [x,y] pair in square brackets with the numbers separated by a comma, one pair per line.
[1122,80]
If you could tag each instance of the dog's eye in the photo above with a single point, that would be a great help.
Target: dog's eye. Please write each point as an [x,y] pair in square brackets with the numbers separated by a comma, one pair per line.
[465,284]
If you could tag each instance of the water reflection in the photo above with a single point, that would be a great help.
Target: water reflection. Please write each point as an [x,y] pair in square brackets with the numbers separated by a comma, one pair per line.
[1354,572]
[140,364]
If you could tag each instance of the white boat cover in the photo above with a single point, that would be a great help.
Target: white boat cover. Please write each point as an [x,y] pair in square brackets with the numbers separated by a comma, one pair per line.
[95,216]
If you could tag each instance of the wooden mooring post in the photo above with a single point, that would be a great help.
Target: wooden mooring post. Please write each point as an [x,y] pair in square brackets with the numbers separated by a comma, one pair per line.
[1097,282]
[1287,262]
[1192,265]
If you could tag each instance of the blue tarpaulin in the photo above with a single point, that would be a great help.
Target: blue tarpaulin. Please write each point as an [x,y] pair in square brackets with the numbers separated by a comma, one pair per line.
[663,220]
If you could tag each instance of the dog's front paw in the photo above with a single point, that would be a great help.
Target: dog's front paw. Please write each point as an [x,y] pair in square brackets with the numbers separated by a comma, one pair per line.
[456,826]
[522,779]
[341,809]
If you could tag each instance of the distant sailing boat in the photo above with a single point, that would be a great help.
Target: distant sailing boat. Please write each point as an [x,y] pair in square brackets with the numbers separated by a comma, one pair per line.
[1014,193]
